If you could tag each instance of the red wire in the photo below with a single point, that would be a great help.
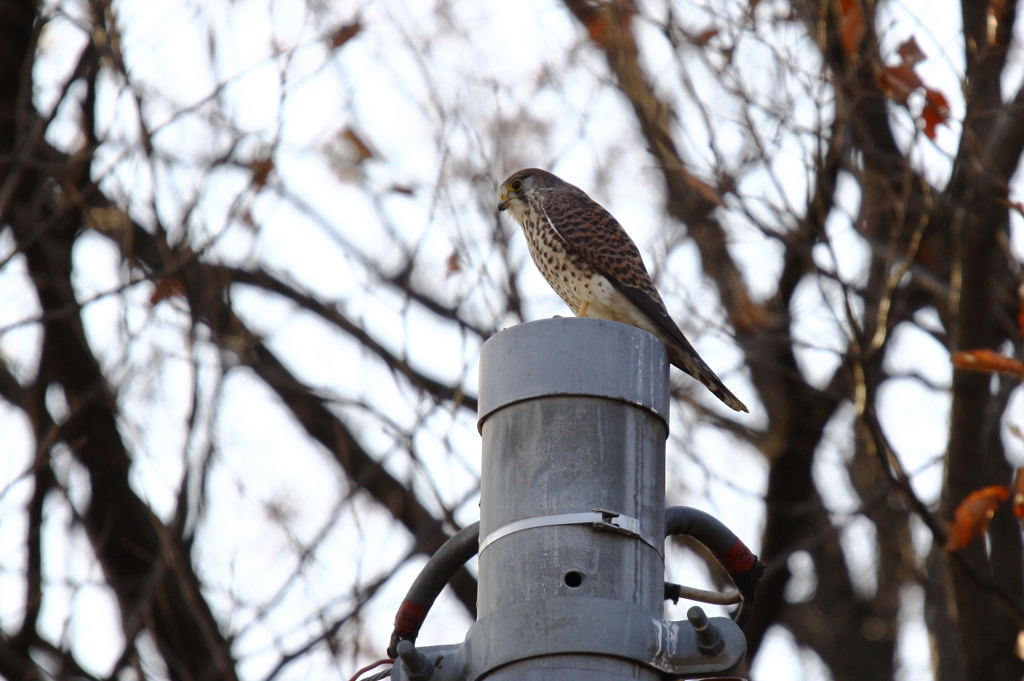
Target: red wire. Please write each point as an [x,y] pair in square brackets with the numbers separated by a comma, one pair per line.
[368,667]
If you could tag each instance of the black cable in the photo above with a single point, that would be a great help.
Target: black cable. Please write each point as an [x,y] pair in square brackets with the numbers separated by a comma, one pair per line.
[441,567]
[743,567]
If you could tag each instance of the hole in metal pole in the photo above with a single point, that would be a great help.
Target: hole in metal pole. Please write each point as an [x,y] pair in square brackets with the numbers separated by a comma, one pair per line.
[573,579]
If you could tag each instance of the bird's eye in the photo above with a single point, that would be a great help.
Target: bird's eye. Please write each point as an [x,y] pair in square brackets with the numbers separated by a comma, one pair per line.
[515,185]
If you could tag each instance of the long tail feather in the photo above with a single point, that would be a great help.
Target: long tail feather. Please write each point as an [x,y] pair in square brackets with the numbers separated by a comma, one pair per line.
[692,364]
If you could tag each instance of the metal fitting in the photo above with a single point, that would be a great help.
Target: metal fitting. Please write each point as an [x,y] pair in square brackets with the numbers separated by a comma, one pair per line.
[709,641]
[415,664]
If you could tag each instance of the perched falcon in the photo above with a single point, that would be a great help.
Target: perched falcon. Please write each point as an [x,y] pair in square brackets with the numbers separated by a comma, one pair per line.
[590,261]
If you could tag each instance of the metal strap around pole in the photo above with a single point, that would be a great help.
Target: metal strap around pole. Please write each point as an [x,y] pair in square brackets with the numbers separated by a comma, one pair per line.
[599,518]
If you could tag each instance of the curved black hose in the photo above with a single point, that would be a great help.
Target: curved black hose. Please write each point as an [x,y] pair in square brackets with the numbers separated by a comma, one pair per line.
[743,567]
[441,567]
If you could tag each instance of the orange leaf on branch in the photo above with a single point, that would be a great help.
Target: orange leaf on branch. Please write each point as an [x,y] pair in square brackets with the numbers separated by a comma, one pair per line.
[910,52]
[1018,494]
[168,287]
[935,112]
[900,81]
[851,25]
[973,515]
[610,24]
[597,25]
[1020,315]
[987,361]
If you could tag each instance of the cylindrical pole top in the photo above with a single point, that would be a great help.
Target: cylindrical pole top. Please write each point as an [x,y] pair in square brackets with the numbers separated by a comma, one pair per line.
[573,356]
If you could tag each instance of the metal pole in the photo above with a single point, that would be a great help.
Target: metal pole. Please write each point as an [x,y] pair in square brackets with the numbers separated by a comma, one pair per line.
[573,414]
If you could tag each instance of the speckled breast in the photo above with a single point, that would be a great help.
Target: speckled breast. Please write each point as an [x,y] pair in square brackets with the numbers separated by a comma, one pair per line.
[565,271]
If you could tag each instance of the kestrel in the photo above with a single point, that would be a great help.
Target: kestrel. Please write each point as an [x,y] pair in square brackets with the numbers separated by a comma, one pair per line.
[590,261]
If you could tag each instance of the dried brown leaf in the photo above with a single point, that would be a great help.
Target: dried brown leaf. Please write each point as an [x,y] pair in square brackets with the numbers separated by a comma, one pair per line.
[851,26]
[452,265]
[987,361]
[935,112]
[167,287]
[899,82]
[1018,494]
[1020,315]
[362,149]
[704,37]
[910,52]
[261,168]
[343,34]
[973,515]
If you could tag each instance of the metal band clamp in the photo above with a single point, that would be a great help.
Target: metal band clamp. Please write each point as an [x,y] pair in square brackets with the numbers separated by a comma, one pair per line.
[599,518]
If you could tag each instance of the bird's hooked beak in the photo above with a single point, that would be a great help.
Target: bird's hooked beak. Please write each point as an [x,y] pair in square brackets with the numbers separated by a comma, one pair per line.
[503,201]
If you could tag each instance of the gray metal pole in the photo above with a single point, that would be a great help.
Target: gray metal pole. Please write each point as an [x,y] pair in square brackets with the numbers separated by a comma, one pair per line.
[573,414]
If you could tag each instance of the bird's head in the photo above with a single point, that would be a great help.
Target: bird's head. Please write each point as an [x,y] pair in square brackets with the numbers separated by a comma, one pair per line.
[515,188]
[522,184]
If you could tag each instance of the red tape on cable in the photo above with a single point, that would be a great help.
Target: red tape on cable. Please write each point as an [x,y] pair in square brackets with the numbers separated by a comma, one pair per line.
[737,559]
[409,619]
